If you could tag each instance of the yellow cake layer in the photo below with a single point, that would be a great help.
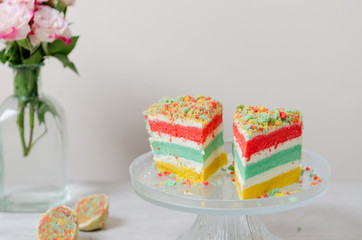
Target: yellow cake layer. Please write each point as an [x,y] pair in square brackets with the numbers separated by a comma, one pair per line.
[262,188]
[185,172]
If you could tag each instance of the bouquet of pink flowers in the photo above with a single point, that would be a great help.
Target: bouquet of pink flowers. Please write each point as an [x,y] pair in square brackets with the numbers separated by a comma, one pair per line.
[33,30]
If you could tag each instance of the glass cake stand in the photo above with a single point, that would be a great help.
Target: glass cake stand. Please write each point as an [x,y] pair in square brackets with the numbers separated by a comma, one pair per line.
[221,214]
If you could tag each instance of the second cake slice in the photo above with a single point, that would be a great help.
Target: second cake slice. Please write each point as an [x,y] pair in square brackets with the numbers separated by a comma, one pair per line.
[267,149]
[187,136]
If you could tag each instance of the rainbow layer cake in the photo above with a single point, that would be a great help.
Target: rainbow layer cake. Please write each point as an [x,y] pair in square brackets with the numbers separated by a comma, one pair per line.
[267,149]
[187,136]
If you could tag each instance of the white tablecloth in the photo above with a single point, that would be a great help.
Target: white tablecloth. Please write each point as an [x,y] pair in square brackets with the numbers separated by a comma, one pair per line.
[337,215]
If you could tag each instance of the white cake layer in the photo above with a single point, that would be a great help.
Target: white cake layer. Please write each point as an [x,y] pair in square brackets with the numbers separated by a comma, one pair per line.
[178,121]
[256,157]
[267,175]
[185,142]
[189,163]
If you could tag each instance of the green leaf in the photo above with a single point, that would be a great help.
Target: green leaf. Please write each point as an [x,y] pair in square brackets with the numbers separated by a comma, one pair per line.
[34,49]
[3,57]
[66,62]
[25,44]
[58,46]
[61,7]
[12,52]
[45,45]
[35,58]
[42,109]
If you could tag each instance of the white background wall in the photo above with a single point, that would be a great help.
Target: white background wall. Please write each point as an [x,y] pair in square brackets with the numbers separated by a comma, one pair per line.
[296,54]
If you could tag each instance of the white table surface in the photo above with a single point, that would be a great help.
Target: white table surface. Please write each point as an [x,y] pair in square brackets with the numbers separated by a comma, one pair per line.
[337,215]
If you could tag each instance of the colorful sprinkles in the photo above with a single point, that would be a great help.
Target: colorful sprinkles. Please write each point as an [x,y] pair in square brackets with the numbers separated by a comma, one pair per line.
[58,223]
[313,180]
[231,167]
[273,192]
[92,212]
[200,109]
[255,119]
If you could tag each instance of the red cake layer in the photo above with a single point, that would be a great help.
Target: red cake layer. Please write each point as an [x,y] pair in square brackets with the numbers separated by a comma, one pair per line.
[196,134]
[264,141]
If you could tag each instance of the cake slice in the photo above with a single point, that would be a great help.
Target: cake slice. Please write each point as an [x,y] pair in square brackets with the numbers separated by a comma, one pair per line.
[92,212]
[187,136]
[267,149]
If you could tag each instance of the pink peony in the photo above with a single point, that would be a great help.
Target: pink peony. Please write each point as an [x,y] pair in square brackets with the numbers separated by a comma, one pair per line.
[14,21]
[49,25]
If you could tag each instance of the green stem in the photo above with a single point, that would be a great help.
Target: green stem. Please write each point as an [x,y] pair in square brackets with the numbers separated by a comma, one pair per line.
[20,123]
[41,135]
[31,125]
[26,91]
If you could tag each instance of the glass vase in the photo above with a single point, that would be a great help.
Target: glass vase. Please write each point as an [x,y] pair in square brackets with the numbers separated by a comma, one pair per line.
[33,159]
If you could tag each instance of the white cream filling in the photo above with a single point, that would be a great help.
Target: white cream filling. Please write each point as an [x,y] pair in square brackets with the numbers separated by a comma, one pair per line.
[267,175]
[162,137]
[256,157]
[190,163]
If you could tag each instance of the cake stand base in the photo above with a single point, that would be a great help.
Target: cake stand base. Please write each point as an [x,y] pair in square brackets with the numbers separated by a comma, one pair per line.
[214,227]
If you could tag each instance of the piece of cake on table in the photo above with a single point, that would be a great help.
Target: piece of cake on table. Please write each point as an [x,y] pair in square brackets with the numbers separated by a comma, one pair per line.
[187,136]
[58,223]
[267,149]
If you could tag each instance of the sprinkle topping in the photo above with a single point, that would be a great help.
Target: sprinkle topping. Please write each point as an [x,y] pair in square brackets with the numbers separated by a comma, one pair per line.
[186,108]
[58,223]
[255,119]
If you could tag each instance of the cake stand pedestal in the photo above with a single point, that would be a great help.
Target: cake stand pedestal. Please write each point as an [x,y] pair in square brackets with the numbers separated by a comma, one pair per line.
[221,214]
[213,227]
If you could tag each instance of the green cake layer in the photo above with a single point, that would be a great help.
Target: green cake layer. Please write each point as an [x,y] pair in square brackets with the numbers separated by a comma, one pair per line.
[172,149]
[285,156]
